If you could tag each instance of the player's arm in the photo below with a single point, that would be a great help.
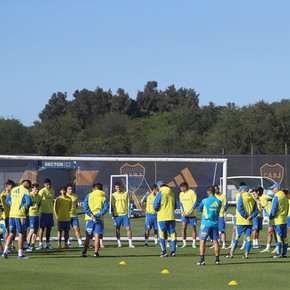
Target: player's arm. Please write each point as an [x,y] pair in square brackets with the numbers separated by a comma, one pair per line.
[226,205]
[241,208]
[8,199]
[200,207]
[128,204]
[157,201]
[86,206]
[27,201]
[274,209]
[143,202]
[56,208]
[113,205]
[195,203]
[255,212]
[104,209]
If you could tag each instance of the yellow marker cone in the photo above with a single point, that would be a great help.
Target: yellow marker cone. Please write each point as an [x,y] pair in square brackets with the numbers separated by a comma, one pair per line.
[233,283]
[122,263]
[165,271]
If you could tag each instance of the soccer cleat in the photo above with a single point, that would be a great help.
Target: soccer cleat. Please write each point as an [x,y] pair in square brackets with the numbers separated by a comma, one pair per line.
[288,249]
[230,246]
[217,262]
[84,254]
[101,246]
[40,248]
[229,256]
[194,246]
[275,251]
[183,246]
[96,255]
[163,255]
[91,246]
[5,256]
[265,251]
[131,246]
[49,247]
[146,245]
[277,256]
[119,246]
[172,254]
[245,257]
[23,257]
[224,247]
[202,263]
[29,249]
[68,246]
[211,247]
[256,247]
[242,248]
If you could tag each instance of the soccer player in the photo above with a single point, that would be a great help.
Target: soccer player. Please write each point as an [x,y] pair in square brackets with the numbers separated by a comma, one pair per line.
[95,206]
[120,208]
[6,208]
[278,218]
[287,193]
[266,203]
[19,201]
[210,208]
[46,213]
[62,208]
[151,215]
[258,220]
[74,221]
[221,223]
[246,211]
[188,205]
[165,205]
[33,217]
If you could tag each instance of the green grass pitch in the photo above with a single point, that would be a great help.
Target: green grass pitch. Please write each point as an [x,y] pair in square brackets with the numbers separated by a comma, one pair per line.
[65,269]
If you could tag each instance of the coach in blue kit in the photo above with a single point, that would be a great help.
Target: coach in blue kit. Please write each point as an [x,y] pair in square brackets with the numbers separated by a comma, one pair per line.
[210,208]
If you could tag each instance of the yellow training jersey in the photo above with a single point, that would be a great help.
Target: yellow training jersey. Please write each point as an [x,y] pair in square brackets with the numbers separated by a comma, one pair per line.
[149,200]
[288,206]
[120,203]
[75,200]
[165,204]
[279,210]
[223,200]
[6,207]
[259,205]
[188,202]
[34,209]
[247,204]
[62,208]
[47,197]
[95,202]
[266,202]
[19,201]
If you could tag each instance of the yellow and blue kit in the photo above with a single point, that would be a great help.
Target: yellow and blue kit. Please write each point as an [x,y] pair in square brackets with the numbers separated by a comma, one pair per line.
[34,211]
[46,207]
[210,208]
[62,208]
[74,221]
[278,218]
[188,204]
[258,220]
[2,230]
[224,208]
[151,214]
[120,208]
[288,216]
[165,205]
[6,207]
[246,207]
[95,206]
[19,201]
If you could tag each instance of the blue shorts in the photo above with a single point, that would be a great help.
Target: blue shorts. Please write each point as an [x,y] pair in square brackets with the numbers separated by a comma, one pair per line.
[17,225]
[269,224]
[151,222]
[189,220]
[33,222]
[258,224]
[122,220]
[63,226]
[288,221]
[96,227]
[74,221]
[46,220]
[281,232]
[166,226]
[240,229]
[222,225]
[205,231]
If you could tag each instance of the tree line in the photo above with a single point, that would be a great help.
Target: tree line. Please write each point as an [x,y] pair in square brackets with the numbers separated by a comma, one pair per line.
[169,121]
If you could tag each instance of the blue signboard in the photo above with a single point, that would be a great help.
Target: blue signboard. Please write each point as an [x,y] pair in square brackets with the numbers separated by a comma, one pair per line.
[57,164]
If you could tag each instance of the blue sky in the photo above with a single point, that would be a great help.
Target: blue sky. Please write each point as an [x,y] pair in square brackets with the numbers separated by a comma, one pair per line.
[228,51]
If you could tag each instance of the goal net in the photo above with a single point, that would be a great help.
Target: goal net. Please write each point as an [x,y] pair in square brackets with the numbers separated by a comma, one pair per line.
[137,174]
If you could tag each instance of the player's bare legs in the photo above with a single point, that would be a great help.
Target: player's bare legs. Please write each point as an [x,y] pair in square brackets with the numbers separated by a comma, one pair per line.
[48,230]
[129,235]
[59,234]
[66,237]
[86,244]
[40,235]
[118,236]
[183,233]
[193,234]
[97,243]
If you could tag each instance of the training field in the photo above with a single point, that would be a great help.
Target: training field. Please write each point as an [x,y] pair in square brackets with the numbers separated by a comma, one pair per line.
[65,269]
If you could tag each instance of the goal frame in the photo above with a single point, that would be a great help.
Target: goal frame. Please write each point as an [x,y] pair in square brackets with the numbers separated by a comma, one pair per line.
[223,161]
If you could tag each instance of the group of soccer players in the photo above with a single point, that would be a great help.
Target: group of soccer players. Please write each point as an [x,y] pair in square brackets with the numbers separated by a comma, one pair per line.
[30,213]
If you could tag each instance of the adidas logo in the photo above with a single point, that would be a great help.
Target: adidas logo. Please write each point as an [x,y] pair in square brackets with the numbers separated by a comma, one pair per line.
[185,175]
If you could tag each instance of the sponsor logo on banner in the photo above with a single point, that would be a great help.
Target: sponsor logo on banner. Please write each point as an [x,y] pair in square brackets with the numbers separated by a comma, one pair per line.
[273,171]
[136,175]
[185,175]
